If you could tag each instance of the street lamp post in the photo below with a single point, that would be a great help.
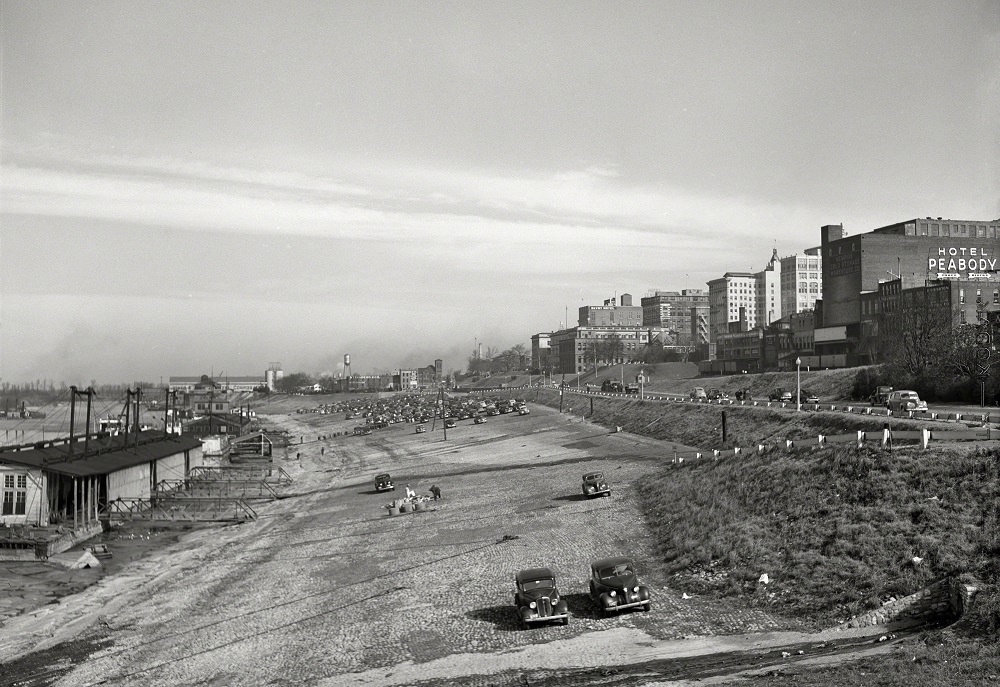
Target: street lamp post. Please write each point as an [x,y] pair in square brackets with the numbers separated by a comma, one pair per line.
[798,384]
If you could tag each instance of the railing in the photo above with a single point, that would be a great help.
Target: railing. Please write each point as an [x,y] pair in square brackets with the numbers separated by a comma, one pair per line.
[851,408]
[267,472]
[179,508]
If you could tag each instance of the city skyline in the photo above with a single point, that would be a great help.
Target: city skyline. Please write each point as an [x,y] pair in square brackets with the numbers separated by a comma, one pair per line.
[199,185]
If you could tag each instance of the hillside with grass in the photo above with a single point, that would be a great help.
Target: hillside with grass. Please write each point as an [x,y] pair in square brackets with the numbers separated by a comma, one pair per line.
[839,531]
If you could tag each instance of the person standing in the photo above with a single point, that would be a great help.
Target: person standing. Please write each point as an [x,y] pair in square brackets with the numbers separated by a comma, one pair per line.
[436,492]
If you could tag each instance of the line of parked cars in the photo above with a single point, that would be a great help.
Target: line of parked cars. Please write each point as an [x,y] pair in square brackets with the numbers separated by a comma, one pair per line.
[614,587]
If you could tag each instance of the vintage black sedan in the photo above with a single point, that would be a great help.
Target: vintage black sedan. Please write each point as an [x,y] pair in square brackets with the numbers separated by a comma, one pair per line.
[594,484]
[614,585]
[383,482]
[537,598]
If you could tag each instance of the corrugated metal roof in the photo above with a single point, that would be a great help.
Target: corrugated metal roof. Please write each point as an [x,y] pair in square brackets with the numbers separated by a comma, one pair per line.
[106,454]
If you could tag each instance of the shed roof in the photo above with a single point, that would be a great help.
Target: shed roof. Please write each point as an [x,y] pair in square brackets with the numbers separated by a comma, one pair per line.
[106,453]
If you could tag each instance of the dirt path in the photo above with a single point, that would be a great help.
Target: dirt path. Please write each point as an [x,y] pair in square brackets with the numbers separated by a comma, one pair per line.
[325,588]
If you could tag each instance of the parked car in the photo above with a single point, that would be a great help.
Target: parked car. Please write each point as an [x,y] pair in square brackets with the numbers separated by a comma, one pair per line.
[383,482]
[779,394]
[595,485]
[808,397]
[905,399]
[523,410]
[449,422]
[615,586]
[421,429]
[698,394]
[880,395]
[480,420]
[537,598]
[717,395]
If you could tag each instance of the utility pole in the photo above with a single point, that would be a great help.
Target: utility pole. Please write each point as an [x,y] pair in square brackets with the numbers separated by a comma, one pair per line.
[444,425]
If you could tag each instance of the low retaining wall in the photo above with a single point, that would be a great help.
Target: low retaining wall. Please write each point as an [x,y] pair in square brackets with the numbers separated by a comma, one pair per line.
[942,602]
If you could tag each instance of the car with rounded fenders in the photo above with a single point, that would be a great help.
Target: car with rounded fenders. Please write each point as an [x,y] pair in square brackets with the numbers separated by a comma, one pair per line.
[537,598]
[902,400]
[383,482]
[615,586]
[594,484]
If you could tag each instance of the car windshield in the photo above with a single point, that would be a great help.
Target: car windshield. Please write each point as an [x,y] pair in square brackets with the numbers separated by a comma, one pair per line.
[615,571]
[543,583]
[594,476]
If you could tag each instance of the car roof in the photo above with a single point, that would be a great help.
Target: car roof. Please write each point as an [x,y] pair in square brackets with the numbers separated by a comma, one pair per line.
[595,473]
[534,574]
[381,475]
[610,562]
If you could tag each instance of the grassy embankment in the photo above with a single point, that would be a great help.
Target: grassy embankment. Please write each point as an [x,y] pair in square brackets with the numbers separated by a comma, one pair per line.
[836,529]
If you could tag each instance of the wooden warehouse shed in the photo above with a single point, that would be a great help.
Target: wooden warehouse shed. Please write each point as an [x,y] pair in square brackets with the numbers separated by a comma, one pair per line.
[71,481]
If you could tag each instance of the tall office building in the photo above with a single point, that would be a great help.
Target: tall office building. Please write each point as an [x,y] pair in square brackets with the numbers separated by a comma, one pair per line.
[731,298]
[801,281]
[683,315]
[767,306]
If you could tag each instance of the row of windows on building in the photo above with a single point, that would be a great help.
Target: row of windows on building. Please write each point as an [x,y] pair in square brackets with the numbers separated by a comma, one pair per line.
[969,231]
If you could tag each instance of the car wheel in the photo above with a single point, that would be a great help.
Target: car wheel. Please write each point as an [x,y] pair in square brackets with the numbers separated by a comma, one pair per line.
[565,621]
[647,607]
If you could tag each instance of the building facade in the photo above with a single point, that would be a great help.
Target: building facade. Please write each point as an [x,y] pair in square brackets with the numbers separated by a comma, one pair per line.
[540,351]
[611,314]
[683,316]
[238,384]
[581,349]
[731,297]
[801,281]
[964,253]
[767,293]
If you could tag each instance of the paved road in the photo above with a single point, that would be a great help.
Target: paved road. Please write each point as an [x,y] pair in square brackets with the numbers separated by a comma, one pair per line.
[327,589]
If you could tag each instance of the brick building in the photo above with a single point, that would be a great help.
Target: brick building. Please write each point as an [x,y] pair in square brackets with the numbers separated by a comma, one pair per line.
[580,349]
[917,252]
[611,314]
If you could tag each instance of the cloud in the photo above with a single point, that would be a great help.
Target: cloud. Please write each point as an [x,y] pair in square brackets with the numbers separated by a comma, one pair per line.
[436,207]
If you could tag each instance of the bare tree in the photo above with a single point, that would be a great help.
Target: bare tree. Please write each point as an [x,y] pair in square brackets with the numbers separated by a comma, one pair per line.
[915,333]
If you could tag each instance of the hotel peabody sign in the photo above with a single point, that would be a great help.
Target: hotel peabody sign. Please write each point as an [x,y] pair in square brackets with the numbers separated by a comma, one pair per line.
[951,262]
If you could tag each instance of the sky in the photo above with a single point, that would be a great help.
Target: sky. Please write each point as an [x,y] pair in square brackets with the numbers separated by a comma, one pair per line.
[208,187]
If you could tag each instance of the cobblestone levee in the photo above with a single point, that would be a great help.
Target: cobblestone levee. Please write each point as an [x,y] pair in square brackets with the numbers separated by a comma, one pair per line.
[327,588]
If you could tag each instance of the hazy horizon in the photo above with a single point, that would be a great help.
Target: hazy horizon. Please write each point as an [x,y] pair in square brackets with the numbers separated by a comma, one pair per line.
[206,185]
